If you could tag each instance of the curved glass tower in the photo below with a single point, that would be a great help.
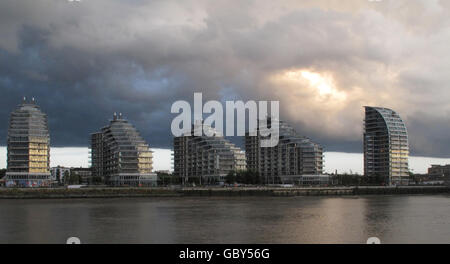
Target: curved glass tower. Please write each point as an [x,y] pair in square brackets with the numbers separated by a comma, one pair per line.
[28,147]
[121,156]
[386,148]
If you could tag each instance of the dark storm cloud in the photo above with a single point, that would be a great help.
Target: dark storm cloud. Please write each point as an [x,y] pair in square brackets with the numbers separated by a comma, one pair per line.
[80,91]
[84,61]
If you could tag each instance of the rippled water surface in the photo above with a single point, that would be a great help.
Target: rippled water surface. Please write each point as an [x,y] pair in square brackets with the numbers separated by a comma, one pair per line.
[394,219]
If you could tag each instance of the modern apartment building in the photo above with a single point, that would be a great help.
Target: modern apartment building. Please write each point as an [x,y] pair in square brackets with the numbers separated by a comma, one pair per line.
[386,148]
[295,159]
[205,159]
[121,156]
[28,147]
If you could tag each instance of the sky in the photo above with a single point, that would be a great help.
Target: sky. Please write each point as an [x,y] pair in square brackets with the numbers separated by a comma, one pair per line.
[322,59]
[334,161]
[79,157]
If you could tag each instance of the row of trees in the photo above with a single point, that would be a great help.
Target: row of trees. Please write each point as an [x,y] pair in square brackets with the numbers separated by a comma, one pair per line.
[356,179]
[167,179]
[253,177]
[241,177]
[244,177]
[70,178]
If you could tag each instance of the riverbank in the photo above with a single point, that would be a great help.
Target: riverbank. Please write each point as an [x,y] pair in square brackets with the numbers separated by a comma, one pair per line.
[109,192]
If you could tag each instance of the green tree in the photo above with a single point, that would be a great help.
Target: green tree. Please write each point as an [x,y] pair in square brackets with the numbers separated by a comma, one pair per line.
[66,177]
[240,177]
[243,177]
[58,177]
[231,177]
[71,178]
[164,178]
[75,178]
[349,179]
[2,173]
[97,180]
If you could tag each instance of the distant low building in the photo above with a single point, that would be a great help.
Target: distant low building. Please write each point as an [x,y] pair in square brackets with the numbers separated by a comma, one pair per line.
[62,175]
[58,174]
[437,175]
[84,175]
[439,171]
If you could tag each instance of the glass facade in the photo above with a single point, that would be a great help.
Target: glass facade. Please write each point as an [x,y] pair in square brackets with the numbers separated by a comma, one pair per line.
[28,147]
[121,156]
[386,148]
[294,157]
[204,159]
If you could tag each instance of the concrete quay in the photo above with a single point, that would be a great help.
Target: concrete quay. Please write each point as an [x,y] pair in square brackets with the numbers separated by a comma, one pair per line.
[110,192]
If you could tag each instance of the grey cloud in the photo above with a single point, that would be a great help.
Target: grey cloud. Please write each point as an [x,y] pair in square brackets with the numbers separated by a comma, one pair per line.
[85,61]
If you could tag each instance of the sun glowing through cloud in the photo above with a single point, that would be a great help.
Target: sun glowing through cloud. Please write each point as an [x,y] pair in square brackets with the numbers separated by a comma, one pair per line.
[312,98]
[323,84]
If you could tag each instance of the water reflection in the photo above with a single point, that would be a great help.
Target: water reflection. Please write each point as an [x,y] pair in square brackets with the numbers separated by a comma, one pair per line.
[394,219]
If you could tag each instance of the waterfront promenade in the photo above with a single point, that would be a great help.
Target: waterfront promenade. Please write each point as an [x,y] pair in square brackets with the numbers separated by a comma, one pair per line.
[109,192]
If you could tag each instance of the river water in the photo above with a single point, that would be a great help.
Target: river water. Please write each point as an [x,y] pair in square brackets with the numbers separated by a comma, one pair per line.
[393,219]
